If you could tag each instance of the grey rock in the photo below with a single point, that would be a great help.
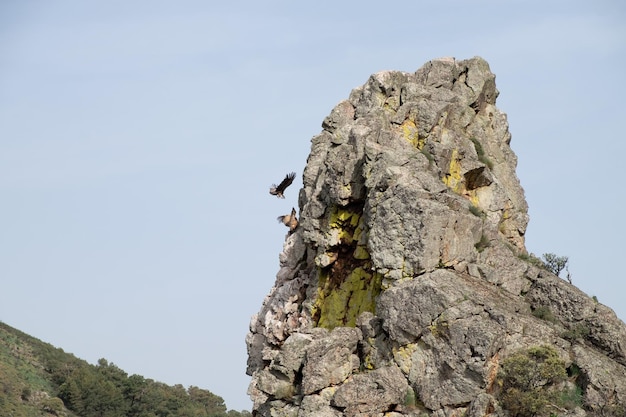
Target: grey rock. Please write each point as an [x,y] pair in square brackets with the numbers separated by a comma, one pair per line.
[330,360]
[319,405]
[372,392]
[580,315]
[290,359]
[484,405]
[407,281]
[604,380]
[274,384]
[276,408]
[375,348]
[408,308]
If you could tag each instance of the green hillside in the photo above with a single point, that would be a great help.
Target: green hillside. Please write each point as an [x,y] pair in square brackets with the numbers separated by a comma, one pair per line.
[37,379]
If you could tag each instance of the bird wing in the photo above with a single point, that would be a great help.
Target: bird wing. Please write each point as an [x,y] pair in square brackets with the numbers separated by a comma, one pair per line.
[286,182]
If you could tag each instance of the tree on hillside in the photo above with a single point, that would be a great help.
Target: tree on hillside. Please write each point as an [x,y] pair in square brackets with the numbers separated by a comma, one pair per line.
[211,403]
[89,393]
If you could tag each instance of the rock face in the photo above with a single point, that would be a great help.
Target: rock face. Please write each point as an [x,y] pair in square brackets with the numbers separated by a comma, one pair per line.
[406,288]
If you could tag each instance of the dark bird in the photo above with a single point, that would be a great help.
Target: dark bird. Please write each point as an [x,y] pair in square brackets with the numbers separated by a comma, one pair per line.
[289,220]
[280,189]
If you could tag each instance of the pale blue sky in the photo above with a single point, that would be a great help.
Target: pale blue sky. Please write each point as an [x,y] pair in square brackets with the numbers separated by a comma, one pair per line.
[138,141]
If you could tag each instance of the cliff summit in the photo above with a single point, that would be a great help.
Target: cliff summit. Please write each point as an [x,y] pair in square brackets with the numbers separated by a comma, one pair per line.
[405,289]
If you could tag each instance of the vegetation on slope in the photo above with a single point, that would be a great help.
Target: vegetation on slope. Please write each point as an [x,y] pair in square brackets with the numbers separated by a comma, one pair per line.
[536,382]
[38,379]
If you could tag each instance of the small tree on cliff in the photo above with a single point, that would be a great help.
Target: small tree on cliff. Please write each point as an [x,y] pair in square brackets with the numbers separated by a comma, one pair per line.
[556,264]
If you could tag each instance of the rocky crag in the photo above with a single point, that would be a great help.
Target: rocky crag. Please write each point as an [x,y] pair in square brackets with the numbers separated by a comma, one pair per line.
[406,288]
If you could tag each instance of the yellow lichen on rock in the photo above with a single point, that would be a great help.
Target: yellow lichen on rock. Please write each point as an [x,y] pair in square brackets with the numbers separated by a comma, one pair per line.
[361,252]
[360,237]
[343,222]
[410,133]
[453,177]
[346,285]
[367,362]
[502,224]
[341,305]
[473,197]
[455,181]
[391,104]
[403,356]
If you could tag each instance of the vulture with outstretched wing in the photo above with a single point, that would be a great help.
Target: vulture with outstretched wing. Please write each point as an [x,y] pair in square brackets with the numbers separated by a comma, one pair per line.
[279,189]
[289,220]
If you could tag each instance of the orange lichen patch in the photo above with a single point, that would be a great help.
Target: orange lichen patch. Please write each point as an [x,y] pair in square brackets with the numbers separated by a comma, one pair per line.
[494,366]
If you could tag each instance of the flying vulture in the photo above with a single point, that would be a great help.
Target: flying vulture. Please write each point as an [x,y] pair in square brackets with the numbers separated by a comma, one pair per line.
[289,220]
[280,189]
